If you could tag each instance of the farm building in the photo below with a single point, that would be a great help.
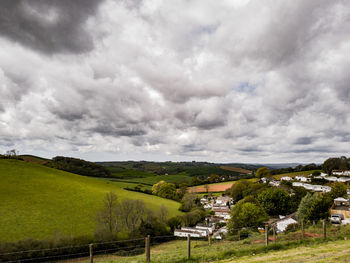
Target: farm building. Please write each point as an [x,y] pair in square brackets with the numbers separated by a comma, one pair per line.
[286,178]
[341,206]
[282,224]
[340,173]
[185,233]
[203,232]
[302,179]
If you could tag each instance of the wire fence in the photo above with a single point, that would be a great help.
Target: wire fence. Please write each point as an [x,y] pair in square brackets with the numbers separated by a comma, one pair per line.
[110,250]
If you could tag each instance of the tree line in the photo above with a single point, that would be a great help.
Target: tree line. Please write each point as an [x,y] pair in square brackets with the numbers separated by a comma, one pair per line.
[78,166]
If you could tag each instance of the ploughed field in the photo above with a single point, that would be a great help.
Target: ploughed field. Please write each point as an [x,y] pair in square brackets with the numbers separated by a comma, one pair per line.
[217,187]
[40,202]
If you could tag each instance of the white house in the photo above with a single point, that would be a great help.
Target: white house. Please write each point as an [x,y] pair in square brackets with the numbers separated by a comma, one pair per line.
[275,183]
[339,172]
[202,232]
[282,225]
[210,228]
[302,179]
[185,233]
[297,184]
[222,200]
[286,178]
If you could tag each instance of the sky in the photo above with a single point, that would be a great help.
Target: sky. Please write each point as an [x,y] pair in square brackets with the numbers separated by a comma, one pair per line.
[258,81]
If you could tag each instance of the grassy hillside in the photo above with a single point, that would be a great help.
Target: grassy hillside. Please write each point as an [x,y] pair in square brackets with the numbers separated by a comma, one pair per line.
[34,159]
[279,176]
[39,202]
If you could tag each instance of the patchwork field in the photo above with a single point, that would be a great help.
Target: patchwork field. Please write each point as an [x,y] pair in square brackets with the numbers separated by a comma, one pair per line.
[40,202]
[218,187]
[176,178]
[236,169]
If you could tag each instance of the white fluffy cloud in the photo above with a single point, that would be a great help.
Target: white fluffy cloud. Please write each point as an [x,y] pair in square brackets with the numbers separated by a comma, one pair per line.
[225,81]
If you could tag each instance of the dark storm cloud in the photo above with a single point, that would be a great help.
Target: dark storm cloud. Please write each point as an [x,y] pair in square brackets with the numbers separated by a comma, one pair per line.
[49,26]
[304,140]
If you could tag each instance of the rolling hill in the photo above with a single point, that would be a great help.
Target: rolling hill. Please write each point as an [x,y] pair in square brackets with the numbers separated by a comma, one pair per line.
[40,202]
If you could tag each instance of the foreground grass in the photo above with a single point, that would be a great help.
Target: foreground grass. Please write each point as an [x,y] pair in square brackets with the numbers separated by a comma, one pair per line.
[289,248]
[336,251]
[40,202]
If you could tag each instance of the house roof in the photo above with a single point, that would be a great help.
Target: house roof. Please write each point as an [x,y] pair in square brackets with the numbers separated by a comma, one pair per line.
[341,199]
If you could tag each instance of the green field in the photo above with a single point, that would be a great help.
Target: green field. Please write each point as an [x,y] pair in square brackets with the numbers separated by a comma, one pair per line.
[40,202]
[176,178]
[127,184]
[278,176]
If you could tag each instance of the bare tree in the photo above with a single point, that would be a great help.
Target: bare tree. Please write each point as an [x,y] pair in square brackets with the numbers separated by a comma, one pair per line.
[107,217]
[163,214]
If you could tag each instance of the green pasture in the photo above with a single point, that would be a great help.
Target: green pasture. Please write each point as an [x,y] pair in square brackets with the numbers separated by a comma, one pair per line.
[40,202]
[175,178]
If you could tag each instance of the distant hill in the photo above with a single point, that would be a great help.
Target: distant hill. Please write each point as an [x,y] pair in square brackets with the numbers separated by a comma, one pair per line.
[236,169]
[34,159]
[192,169]
[40,202]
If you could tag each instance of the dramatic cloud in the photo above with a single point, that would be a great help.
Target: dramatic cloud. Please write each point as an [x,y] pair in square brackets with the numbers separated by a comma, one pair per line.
[48,26]
[228,81]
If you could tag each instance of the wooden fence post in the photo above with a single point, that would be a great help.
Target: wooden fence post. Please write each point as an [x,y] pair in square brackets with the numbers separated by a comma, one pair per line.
[302,230]
[148,249]
[324,229]
[239,235]
[209,239]
[266,234]
[274,233]
[188,246]
[91,253]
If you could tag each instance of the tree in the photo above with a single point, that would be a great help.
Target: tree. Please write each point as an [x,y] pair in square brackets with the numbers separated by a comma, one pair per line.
[247,213]
[341,163]
[151,226]
[238,189]
[175,222]
[206,187]
[189,201]
[320,208]
[107,217]
[298,194]
[12,153]
[263,172]
[303,212]
[338,190]
[193,217]
[163,214]
[156,187]
[275,201]
[214,178]
[167,190]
